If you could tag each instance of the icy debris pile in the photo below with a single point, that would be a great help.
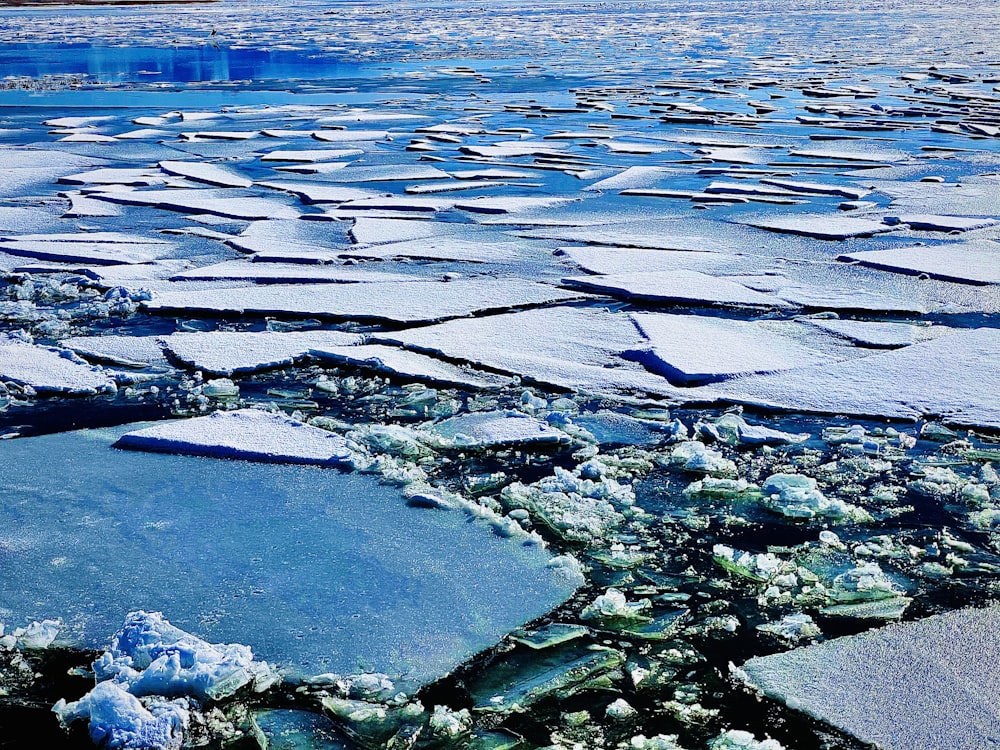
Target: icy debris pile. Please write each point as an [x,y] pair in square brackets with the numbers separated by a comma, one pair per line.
[155,678]
[37,635]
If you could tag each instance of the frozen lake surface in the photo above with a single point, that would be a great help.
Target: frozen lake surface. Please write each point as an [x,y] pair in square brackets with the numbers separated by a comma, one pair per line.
[699,300]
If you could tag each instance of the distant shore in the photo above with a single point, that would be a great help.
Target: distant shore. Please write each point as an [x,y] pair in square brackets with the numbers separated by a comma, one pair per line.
[32,3]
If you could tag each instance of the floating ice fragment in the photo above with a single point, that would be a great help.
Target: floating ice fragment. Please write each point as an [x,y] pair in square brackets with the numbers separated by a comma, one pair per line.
[408,364]
[247,434]
[411,302]
[736,739]
[677,347]
[797,496]
[495,429]
[210,174]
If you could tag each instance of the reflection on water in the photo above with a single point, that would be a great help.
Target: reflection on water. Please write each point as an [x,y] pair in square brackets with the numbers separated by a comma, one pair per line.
[171,64]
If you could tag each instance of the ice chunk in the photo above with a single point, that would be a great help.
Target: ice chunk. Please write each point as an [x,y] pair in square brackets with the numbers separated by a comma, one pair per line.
[821,226]
[48,370]
[236,551]
[248,434]
[676,287]
[976,262]
[953,375]
[408,364]
[797,496]
[690,349]
[930,683]
[149,656]
[84,250]
[852,300]
[399,301]
[311,156]
[482,248]
[117,719]
[232,352]
[210,174]
[496,429]
[349,136]
[822,188]
[319,192]
[387,173]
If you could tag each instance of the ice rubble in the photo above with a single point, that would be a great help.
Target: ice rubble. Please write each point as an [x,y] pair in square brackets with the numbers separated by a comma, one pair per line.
[930,683]
[974,262]
[150,662]
[954,375]
[249,434]
[405,302]
[677,351]
[232,352]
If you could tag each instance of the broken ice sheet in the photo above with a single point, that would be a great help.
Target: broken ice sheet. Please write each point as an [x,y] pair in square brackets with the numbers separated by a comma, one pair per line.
[614,260]
[232,352]
[928,684]
[820,226]
[410,365]
[409,302]
[317,570]
[877,334]
[954,376]
[676,287]
[568,347]
[691,349]
[288,273]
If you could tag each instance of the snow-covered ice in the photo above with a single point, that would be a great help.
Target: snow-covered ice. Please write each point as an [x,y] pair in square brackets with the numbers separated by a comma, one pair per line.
[929,683]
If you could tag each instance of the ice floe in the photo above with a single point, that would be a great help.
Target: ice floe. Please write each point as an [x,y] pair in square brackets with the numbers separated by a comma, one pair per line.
[411,365]
[975,262]
[676,287]
[233,352]
[274,536]
[952,376]
[483,430]
[690,349]
[928,683]
[210,174]
[49,371]
[821,226]
[398,301]
[249,434]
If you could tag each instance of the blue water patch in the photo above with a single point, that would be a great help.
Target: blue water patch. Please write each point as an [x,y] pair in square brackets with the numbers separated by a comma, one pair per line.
[315,569]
